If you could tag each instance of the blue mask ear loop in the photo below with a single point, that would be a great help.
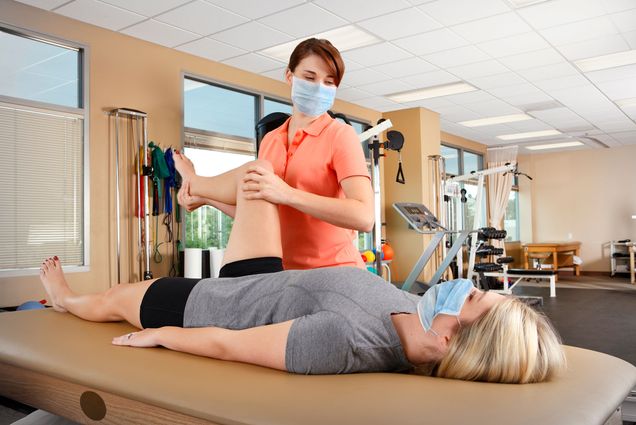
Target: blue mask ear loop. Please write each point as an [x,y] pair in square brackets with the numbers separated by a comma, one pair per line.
[431,330]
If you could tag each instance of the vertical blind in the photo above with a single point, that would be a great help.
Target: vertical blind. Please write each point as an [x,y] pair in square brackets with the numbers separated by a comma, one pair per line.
[41,188]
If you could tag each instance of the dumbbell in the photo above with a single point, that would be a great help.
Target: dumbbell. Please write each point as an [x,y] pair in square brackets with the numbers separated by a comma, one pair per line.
[485,250]
[488,267]
[505,260]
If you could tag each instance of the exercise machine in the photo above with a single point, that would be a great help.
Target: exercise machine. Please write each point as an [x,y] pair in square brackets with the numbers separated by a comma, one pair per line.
[423,221]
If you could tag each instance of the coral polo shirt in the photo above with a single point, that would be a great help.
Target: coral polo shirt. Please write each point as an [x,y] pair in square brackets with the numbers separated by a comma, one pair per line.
[317,160]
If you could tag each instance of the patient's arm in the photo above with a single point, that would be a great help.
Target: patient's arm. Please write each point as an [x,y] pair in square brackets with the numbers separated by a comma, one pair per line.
[263,345]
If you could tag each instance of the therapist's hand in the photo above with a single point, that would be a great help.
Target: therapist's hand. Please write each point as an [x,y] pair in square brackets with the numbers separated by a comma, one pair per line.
[187,201]
[145,338]
[260,183]
[184,166]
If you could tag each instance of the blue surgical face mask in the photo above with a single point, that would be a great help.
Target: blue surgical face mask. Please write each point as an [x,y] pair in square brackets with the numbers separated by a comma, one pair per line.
[312,99]
[445,298]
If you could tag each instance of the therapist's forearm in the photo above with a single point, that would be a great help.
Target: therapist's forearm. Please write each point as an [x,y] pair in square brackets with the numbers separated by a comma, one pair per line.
[347,213]
[226,209]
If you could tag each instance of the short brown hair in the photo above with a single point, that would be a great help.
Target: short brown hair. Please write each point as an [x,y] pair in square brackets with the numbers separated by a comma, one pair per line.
[322,48]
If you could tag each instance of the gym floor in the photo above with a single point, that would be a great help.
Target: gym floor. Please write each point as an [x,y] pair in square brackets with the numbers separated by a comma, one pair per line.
[595,313]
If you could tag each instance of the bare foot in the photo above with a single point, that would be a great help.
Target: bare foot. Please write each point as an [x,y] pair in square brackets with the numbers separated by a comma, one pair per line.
[52,278]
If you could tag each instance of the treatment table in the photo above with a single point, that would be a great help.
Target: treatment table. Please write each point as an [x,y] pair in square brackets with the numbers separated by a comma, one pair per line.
[67,366]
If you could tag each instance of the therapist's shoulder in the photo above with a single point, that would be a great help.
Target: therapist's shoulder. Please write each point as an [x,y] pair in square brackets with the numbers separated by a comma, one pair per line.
[339,131]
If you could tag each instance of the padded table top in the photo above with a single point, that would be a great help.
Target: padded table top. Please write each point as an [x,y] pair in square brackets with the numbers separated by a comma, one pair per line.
[65,347]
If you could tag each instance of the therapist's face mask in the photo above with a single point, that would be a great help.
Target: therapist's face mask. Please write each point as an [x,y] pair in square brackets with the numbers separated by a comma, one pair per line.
[445,298]
[312,99]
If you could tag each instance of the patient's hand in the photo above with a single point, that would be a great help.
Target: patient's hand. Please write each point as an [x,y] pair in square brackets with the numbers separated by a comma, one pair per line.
[187,201]
[184,166]
[145,338]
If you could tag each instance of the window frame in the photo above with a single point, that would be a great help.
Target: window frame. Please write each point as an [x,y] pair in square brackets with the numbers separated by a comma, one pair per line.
[83,111]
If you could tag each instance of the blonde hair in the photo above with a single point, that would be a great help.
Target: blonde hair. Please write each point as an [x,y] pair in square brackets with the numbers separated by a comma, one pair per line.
[512,343]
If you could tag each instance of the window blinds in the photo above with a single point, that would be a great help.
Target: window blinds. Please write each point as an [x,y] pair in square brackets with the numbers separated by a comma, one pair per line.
[41,181]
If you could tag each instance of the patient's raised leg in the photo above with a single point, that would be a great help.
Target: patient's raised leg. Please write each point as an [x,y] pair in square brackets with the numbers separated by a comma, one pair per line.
[118,303]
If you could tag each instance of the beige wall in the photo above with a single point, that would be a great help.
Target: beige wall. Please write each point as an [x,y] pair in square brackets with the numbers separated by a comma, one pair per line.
[421,130]
[587,196]
[126,72]
[460,142]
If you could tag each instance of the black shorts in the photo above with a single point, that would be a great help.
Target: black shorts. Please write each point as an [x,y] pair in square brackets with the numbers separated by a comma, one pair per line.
[165,300]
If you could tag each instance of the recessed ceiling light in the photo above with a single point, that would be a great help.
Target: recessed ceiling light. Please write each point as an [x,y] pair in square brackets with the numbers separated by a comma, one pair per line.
[496,120]
[344,38]
[626,103]
[607,61]
[554,145]
[429,92]
[529,135]
[523,3]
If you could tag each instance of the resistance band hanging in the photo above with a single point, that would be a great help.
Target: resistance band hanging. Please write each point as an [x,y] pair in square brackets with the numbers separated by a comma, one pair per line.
[399,178]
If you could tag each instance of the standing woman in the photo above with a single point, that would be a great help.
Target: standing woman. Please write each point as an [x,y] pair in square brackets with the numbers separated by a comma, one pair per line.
[319,181]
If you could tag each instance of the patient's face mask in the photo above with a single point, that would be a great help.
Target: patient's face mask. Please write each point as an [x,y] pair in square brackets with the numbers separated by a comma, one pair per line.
[312,99]
[445,298]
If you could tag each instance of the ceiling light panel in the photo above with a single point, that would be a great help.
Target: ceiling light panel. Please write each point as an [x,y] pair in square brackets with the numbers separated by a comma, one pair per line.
[429,92]
[554,145]
[529,135]
[612,60]
[502,119]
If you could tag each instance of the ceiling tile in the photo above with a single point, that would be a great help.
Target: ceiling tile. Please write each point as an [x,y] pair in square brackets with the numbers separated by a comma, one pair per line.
[400,24]
[514,45]
[160,33]
[627,138]
[100,14]
[378,103]
[493,108]
[557,116]
[525,99]
[201,17]
[625,21]
[253,9]
[612,6]
[405,67]
[386,87]
[532,59]
[454,57]
[597,47]
[430,42]
[211,49]
[617,126]
[494,27]
[352,94]
[558,12]
[357,10]
[276,74]
[451,12]
[497,80]
[479,69]
[253,62]
[303,20]
[431,104]
[376,54]
[44,4]
[477,96]
[507,91]
[612,74]
[529,125]
[351,65]
[145,7]
[457,113]
[579,31]
[631,38]
[619,89]
[547,72]
[363,76]
[429,79]
[252,36]
[562,82]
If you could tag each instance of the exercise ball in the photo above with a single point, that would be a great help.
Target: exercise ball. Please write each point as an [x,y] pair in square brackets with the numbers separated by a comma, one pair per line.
[370,256]
[387,251]
[364,258]
[30,305]
[372,269]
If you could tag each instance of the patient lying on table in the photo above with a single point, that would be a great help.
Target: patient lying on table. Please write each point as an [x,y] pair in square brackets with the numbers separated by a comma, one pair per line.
[320,321]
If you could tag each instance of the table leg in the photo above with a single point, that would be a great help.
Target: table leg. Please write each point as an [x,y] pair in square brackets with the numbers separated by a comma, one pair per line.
[632,251]
[577,268]
[525,259]
[555,261]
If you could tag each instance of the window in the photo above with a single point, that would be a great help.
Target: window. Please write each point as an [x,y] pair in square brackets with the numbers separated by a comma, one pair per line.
[42,127]
[212,108]
[511,219]
[459,162]
[270,106]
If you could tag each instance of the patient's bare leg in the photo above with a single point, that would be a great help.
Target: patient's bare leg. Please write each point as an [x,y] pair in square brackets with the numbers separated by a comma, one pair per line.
[121,302]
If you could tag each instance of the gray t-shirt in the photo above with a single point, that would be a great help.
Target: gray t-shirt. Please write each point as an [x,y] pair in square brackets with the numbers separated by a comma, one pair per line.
[342,316]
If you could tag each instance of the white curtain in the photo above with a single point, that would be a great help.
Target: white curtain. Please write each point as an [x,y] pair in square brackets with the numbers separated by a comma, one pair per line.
[499,186]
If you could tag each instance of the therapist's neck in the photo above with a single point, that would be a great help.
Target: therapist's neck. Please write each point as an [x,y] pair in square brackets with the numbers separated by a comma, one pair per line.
[301,120]
[424,347]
